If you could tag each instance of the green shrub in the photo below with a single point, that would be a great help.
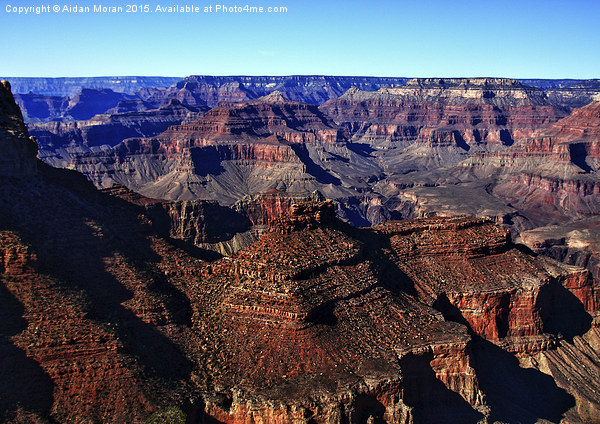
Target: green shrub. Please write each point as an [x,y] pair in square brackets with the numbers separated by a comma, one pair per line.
[171,415]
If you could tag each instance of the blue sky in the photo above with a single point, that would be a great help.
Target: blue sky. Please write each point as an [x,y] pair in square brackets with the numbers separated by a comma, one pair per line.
[520,39]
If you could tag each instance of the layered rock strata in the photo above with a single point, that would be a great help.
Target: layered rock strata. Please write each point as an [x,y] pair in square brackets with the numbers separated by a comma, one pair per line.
[207,225]
[60,141]
[459,112]
[233,151]
[70,86]
[555,173]
[306,89]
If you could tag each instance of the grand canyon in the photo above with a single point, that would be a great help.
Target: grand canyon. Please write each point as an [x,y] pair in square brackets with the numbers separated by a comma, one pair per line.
[300,249]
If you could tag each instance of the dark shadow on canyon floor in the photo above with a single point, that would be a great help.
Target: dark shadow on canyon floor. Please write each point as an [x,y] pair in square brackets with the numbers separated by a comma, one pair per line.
[431,400]
[515,394]
[312,168]
[23,382]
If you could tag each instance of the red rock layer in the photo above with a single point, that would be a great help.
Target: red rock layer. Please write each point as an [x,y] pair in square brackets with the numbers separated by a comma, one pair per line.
[93,309]
[83,359]
[576,134]
[547,198]
[501,293]
[320,296]
[555,171]
[263,209]
[271,116]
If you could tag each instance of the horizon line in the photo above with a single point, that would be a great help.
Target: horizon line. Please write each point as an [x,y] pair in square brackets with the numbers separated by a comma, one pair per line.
[297,75]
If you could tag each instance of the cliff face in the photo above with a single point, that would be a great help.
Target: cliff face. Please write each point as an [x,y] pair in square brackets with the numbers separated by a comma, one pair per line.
[314,89]
[60,140]
[207,225]
[575,243]
[556,170]
[269,116]
[457,266]
[503,307]
[576,95]
[40,108]
[18,149]
[460,112]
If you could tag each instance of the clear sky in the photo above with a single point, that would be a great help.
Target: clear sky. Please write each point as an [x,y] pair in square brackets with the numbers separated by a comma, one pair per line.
[520,39]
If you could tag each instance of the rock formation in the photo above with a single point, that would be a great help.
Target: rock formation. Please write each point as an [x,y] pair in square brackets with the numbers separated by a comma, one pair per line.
[234,150]
[576,95]
[457,112]
[325,275]
[484,147]
[83,301]
[60,141]
[555,173]
[41,108]
[208,225]
[575,243]
[18,149]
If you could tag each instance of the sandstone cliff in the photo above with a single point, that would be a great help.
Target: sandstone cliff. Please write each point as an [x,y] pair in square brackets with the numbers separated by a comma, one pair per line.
[555,173]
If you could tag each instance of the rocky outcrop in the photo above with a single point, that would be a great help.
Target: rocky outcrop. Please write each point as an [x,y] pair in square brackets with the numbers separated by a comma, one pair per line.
[272,115]
[295,294]
[263,209]
[89,102]
[573,365]
[554,174]
[69,352]
[511,308]
[18,149]
[84,105]
[544,198]
[294,289]
[207,225]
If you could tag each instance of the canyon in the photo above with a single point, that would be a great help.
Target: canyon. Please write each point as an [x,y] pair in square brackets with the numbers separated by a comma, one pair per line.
[216,271]
[384,148]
